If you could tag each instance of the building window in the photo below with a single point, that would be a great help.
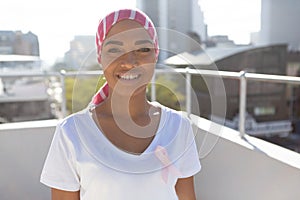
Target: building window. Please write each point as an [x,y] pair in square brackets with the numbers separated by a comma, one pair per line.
[259,111]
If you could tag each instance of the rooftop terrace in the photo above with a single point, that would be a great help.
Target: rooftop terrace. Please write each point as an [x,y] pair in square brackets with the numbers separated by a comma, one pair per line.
[235,165]
[232,167]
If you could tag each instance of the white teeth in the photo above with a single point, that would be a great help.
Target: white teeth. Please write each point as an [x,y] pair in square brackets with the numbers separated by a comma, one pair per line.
[129,77]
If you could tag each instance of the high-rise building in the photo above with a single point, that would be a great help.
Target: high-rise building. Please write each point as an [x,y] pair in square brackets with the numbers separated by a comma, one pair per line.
[180,24]
[19,51]
[24,98]
[81,53]
[18,43]
[279,23]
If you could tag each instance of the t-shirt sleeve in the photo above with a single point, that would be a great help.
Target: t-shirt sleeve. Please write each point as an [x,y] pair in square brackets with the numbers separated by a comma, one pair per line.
[189,163]
[60,167]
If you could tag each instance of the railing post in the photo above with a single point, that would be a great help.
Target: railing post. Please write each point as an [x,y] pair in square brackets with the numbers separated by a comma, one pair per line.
[63,93]
[188,91]
[242,106]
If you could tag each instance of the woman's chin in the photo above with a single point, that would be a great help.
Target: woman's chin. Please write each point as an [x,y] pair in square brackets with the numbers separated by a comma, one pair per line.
[129,90]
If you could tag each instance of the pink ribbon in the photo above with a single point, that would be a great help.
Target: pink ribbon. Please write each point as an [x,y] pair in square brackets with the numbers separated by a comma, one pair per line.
[162,154]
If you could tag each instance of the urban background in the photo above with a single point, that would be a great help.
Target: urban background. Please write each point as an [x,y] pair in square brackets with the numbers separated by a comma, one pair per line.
[273,110]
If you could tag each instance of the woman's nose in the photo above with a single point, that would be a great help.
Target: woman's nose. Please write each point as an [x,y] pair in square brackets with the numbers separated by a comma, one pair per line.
[129,60]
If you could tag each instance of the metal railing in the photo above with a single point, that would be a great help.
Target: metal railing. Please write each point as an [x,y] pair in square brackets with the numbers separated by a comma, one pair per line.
[242,76]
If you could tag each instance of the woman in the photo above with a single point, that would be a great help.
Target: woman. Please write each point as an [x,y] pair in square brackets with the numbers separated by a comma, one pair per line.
[123,146]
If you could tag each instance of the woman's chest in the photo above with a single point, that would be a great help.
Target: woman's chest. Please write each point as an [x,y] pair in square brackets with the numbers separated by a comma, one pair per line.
[100,182]
[131,138]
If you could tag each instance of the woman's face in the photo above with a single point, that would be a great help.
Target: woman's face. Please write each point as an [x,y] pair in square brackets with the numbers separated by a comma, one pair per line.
[128,57]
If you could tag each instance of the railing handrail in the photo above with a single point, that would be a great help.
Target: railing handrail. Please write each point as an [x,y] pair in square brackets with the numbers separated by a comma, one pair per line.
[202,72]
[243,76]
[47,74]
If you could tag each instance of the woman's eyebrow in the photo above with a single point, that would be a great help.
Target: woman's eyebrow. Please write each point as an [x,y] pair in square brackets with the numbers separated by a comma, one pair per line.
[139,42]
[114,42]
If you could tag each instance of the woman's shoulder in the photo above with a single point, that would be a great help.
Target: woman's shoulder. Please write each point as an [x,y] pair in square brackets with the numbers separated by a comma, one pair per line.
[74,119]
[172,116]
[71,128]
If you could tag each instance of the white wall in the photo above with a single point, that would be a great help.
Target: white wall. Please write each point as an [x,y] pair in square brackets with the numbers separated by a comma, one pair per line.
[232,168]
[23,148]
[244,169]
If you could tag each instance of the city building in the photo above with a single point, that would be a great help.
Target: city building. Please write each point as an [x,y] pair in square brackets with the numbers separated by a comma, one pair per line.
[180,24]
[219,41]
[18,43]
[268,111]
[279,23]
[19,51]
[82,52]
[22,98]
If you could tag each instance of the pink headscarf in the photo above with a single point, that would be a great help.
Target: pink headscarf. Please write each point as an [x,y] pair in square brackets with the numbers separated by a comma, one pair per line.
[103,28]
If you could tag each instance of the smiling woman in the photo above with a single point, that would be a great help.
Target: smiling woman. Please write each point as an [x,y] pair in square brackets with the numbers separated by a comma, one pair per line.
[128,57]
[122,146]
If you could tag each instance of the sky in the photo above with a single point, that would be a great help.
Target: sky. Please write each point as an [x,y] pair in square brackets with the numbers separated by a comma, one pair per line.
[235,18]
[56,22]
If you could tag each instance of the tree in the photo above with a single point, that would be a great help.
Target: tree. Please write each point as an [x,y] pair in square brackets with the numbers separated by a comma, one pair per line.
[79,91]
[168,92]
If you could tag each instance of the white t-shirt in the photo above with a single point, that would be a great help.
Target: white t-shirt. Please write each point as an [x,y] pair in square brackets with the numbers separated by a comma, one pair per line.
[82,158]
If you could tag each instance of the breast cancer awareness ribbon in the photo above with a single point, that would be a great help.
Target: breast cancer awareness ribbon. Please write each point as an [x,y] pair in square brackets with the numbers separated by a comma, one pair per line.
[162,154]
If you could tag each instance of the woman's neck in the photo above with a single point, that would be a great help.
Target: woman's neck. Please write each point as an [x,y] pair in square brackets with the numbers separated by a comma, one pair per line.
[124,106]
[133,115]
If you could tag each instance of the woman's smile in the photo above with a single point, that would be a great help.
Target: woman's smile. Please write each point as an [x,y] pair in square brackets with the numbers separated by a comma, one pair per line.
[128,77]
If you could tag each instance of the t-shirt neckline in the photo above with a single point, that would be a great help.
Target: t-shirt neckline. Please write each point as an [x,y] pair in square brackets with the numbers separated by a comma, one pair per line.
[150,148]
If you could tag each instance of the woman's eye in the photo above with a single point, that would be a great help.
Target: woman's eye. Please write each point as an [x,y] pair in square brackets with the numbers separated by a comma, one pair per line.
[114,50]
[144,50]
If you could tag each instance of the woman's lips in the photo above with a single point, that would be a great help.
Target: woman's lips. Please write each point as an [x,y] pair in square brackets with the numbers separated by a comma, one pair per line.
[129,76]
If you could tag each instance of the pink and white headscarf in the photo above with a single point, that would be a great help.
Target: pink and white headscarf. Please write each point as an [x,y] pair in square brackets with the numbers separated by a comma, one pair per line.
[103,28]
